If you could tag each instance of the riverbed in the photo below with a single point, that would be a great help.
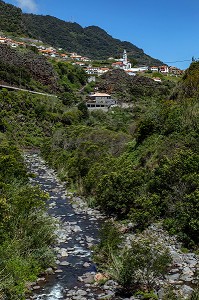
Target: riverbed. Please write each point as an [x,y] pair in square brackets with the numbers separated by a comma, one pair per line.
[77,231]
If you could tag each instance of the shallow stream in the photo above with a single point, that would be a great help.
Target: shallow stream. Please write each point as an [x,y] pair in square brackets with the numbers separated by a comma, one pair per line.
[77,231]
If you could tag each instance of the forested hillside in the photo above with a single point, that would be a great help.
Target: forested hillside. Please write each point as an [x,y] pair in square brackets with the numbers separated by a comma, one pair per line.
[91,41]
[11,19]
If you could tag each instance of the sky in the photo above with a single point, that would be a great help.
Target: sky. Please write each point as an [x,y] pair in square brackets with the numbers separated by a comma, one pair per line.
[164,29]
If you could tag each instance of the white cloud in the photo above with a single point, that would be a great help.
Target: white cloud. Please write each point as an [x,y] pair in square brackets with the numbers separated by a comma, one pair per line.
[27,5]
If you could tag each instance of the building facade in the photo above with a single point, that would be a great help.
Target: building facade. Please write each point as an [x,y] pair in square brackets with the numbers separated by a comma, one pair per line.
[100,101]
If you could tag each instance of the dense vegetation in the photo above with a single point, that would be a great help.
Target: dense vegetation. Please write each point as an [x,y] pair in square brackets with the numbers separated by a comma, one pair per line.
[11,18]
[91,41]
[136,267]
[72,78]
[139,163]
[25,232]
[188,87]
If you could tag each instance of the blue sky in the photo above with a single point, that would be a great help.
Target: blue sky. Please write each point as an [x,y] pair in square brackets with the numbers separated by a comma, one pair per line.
[164,29]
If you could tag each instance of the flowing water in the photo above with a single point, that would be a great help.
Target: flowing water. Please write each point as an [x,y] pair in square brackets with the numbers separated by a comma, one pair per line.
[78,229]
[77,232]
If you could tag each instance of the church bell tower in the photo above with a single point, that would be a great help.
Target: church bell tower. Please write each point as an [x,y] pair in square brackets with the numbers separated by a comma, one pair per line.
[125,58]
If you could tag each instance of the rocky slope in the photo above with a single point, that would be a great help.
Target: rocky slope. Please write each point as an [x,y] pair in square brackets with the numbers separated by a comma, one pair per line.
[127,88]
[32,65]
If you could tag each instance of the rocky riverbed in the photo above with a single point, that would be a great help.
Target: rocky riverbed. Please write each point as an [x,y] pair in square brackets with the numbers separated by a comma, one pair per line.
[75,275]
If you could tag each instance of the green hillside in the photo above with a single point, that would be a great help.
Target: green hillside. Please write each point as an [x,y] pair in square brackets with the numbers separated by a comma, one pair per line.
[146,151]
[28,70]
[11,19]
[134,162]
[91,41]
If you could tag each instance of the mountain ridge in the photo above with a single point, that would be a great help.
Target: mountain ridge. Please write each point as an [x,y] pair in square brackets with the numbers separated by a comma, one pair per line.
[91,41]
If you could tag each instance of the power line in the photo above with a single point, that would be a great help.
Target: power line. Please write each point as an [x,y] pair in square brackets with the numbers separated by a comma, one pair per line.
[172,62]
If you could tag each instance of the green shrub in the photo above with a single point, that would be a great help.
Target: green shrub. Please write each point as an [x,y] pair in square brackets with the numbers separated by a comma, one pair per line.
[140,266]
[110,239]
[136,267]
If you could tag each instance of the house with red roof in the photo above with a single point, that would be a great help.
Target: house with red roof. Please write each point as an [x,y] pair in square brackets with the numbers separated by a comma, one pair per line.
[164,69]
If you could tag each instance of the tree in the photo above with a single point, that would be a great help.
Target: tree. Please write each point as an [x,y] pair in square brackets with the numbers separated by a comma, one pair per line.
[84,110]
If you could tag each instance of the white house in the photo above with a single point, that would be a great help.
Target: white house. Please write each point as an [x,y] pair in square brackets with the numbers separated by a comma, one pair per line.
[157,79]
[154,69]
[92,70]
[96,70]
[3,40]
[139,69]
[103,70]
[129,72]
[76,57]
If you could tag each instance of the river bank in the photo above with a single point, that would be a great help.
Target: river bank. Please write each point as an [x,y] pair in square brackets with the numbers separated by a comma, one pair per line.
[75,275]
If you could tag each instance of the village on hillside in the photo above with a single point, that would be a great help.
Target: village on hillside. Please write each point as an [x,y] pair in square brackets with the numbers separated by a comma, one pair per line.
[86,63]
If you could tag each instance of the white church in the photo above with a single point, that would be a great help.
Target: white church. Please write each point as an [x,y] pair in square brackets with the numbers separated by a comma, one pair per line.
[125,65]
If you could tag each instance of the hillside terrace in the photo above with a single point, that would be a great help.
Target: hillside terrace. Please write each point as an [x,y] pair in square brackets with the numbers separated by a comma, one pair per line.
[81,61]
[46,51]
